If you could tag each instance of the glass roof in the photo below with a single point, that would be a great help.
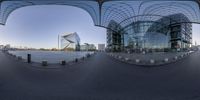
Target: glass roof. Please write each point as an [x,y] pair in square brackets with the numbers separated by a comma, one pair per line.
[123,12]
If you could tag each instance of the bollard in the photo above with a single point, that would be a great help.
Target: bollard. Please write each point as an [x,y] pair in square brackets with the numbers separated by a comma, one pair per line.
[29,58]
[127,59]
[83,58]
[152,61]
[166,60]
[44,63]
[76,60]
[63,62]
[19,58]
[186,54]
[175,58]
[137,60]
[88,55]
[119,57]
[182,56]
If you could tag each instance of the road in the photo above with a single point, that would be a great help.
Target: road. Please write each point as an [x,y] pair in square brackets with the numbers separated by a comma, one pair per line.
[100,78]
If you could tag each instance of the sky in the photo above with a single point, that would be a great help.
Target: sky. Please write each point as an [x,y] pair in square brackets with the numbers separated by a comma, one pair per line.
[196,33]
[39,27]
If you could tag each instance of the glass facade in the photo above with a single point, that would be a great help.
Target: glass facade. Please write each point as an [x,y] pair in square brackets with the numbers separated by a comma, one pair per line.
[103,11]
[141,35]
[114,37]
[161,34]
[181,34]
[132,24]
[70,41]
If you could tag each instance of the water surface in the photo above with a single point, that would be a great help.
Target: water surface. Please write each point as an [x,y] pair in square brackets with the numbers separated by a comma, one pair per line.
[50,56]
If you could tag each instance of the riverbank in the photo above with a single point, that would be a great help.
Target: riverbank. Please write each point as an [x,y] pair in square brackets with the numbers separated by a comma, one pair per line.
[52,61]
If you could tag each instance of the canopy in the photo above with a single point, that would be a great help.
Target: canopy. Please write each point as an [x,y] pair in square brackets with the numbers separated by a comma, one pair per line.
[123,12]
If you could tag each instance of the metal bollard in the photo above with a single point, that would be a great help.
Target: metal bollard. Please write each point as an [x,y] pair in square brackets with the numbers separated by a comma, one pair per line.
[76,60]
[88,55]
[152,61]
[137,60]
[29,58]
[182,56]
[175,58]
[44,63]
[127,59]
[166,60]
[19,58]
[63,62]
[120,57]
[83,58]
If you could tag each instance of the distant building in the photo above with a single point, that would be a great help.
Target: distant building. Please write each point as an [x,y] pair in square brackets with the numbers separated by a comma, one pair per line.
[91,47]
[101,47]
[70,41]
[88,47]
[83,47]
[1,47]
[7,47]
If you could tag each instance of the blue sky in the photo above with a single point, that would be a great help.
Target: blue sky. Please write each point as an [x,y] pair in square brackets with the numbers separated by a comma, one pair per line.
[196,33]
[39,26]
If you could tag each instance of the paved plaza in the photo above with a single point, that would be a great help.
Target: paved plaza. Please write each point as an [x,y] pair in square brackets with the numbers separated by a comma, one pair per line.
[100,77]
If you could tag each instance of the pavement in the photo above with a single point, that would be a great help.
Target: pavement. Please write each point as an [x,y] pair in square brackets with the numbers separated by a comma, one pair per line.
[100,77]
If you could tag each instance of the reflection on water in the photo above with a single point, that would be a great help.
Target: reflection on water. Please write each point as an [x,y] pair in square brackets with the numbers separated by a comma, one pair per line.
[50,56]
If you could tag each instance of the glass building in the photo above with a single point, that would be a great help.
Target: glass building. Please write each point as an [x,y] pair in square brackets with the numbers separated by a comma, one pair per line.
[164,33]
[131,24]
[114,38]
[70,41]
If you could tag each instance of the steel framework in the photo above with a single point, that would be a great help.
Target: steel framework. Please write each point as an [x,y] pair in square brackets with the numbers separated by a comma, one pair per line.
[124,12]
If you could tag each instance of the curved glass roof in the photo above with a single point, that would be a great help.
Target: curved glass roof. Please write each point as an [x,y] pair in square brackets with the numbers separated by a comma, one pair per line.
[123,12]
